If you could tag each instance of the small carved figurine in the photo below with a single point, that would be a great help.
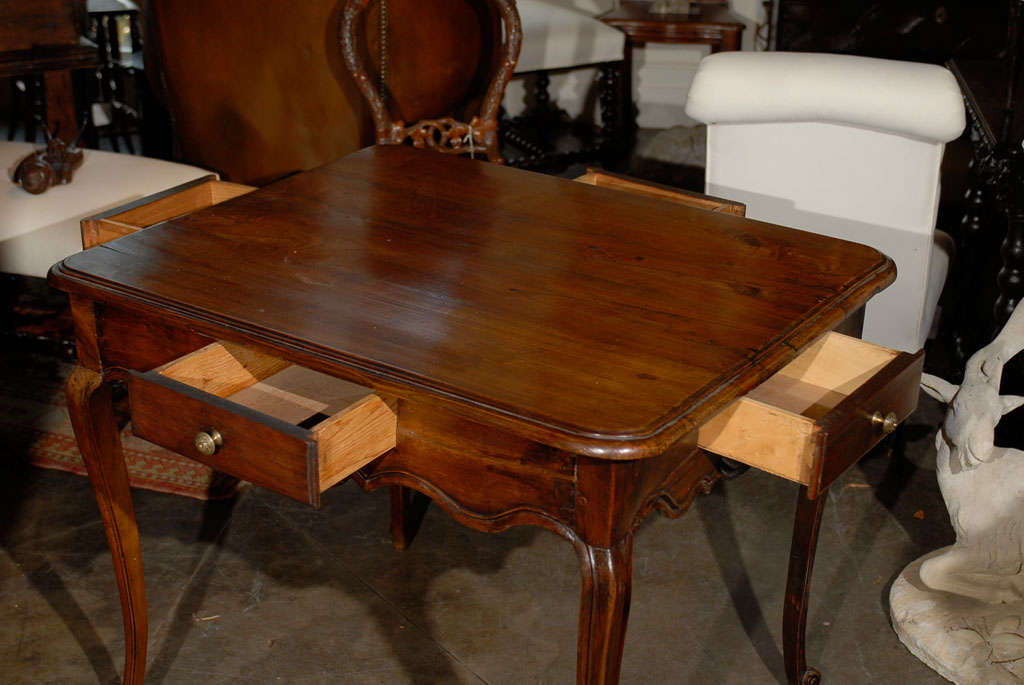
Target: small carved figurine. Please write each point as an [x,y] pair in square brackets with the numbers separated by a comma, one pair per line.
[45,167]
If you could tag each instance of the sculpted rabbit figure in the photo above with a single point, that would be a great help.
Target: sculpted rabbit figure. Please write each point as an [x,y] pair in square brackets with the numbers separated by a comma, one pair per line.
[982,485]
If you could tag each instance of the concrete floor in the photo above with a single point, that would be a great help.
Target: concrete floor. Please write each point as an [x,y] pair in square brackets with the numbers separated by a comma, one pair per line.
[273,591]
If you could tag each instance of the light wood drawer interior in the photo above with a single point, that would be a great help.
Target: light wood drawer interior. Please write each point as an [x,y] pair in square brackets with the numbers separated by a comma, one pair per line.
[790,424]
[328,427]
[157,208]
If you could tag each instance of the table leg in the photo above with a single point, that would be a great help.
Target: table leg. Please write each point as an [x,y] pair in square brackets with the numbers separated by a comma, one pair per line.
[801,562]
[604,611]
[407,510]
[92,416]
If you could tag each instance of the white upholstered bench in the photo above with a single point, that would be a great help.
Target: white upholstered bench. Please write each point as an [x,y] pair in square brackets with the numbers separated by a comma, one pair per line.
[37,231]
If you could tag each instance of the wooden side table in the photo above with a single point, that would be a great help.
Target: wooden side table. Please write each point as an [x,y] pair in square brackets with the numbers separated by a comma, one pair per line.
[713,25]
[569,363]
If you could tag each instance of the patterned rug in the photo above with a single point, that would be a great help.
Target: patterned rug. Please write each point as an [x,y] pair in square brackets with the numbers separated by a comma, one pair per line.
[34,425]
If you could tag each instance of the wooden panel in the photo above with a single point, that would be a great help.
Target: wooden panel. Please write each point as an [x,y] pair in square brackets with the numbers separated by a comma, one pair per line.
[27,23]
[838,362]
[357,425]
[789,424]
[477,471]
[257,448]
[135,340]
[256,90]
[153,209]
[606,179]
[179,204]
[222,368]
[848,431]
[765,437]
[353,438]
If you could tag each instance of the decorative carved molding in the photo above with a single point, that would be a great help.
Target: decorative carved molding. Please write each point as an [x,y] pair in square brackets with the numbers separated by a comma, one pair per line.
[446,135]
[487,523]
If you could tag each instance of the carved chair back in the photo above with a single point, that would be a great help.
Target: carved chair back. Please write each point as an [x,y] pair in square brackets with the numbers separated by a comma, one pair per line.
[442,64]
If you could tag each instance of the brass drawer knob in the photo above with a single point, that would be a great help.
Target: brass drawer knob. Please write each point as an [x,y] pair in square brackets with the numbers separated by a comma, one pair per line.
[208,442]
[887,423]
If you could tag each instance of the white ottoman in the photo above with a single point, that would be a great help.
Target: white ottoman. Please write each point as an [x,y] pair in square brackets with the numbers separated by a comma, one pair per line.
[36,231]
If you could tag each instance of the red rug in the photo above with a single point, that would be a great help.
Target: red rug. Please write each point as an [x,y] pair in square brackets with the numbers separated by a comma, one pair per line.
[36,413]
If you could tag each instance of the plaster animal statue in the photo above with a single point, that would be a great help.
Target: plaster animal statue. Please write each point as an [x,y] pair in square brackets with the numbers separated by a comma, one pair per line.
[49,166]
[982,484]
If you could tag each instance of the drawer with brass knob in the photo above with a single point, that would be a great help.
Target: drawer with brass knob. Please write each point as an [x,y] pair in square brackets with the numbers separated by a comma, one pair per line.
[821,413]
[284,427]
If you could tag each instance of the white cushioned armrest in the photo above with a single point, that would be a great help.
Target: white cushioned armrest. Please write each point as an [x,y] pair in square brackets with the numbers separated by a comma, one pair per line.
[36,231]
[917,100]
[556,37]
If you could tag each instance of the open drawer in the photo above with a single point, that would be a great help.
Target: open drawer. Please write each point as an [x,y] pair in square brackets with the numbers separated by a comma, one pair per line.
[284,427]
[821,413]
[157,208]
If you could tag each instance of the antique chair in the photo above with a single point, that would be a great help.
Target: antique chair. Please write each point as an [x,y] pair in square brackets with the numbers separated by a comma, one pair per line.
[444,70]
[564,48]
[843,146]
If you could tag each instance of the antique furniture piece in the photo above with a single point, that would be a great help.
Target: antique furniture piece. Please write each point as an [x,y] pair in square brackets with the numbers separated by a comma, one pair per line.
[41,38]
[462,117]
[554,362]
[563,40]
[709,24]
[843,146]
[251,115]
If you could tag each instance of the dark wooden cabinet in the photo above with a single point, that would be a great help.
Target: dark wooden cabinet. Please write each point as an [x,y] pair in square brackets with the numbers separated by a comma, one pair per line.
[916,30]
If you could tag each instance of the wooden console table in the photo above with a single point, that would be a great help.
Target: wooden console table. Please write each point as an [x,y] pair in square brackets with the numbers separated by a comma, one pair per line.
[711,25]
[523,349]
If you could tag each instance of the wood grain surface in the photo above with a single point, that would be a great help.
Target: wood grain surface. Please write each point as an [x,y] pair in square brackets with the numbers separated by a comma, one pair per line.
[589,319]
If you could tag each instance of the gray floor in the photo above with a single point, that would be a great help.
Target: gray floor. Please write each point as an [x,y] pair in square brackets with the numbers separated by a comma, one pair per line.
[273,591]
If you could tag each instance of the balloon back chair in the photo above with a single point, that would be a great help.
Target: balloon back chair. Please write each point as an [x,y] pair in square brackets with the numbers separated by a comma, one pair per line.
[442,65]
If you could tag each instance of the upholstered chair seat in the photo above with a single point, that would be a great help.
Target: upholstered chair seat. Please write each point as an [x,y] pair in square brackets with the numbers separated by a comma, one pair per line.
[560,35]
[37,231]
[843,146]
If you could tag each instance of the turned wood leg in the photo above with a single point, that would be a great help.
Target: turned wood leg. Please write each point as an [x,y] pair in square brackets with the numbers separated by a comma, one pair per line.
[60,105]
[801,562]
[92,415]
[604,611]
[408,508]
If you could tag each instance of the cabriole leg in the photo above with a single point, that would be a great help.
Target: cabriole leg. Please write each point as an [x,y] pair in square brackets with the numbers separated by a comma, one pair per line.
[604,610]
[92,415]
[798,584]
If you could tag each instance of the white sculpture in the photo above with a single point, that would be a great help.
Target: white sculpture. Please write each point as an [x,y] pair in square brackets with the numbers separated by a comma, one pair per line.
[961,609]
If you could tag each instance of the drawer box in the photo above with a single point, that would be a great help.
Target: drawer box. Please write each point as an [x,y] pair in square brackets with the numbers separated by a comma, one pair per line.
[821,413]
[157,208]
[289,429]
